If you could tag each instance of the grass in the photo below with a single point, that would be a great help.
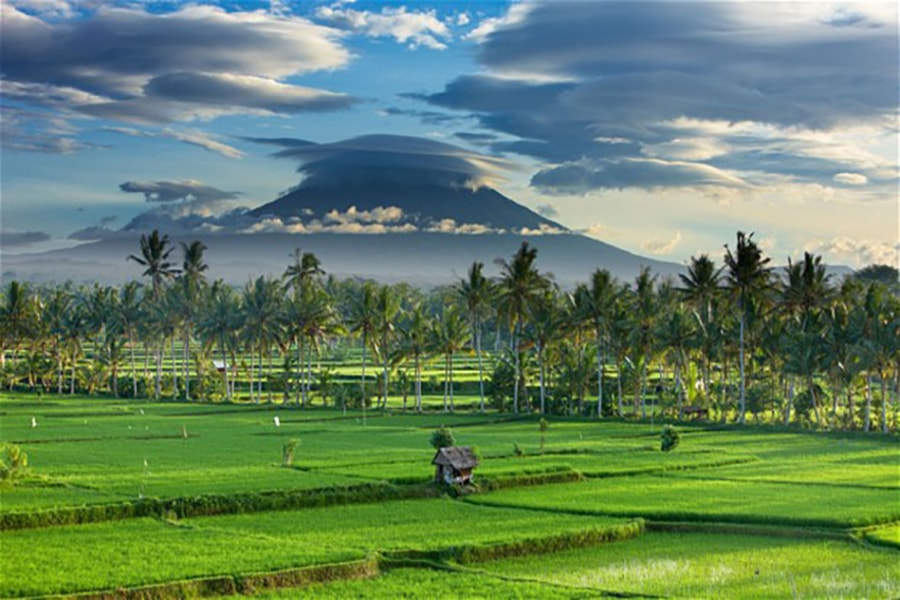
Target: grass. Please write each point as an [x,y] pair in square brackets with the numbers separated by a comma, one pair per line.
[697,565]
[678,498]
[95,451]
[144,551]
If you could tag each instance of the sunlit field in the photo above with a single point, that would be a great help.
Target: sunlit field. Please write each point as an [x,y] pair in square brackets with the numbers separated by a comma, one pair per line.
[197,499]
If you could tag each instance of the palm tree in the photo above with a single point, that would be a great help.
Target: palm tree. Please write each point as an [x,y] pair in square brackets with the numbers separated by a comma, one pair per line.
[362,321]
[17,318]
[747,277]
[476,292]
[645,308]
[218,324]
[520,286]
[262,325]
[449,336]
[130,315]
[192,279]
[155,251]
[414,343]
[545,326]
[675,331]
[701,288]
[596,303]
[387,307]
[305,269]
[54,314]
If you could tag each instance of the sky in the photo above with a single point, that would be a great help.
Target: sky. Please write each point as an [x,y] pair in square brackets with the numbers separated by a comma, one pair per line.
[660,127]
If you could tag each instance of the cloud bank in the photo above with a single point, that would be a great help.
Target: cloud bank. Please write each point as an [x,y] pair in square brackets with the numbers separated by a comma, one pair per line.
[394,159]
[691,95]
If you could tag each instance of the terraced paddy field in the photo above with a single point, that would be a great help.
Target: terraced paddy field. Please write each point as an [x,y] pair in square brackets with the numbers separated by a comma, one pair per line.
[195,500]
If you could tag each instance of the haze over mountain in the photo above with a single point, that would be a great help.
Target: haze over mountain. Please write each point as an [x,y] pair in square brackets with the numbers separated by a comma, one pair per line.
[387,207]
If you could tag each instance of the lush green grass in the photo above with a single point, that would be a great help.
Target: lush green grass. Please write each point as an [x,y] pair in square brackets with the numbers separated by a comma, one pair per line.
[143,551]
[87,451]
[696,565]
[677,498]
[431,583]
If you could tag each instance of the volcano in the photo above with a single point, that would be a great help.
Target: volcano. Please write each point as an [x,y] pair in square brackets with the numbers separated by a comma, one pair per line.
[421,205]
[386,207]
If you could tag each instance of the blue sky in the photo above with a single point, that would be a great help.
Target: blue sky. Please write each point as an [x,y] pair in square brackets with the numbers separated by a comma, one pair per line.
[660,127]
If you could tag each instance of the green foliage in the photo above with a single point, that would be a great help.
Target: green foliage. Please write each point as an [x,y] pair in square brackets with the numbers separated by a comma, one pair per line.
[13,462]
[442,437]
[287,452]
[669,439]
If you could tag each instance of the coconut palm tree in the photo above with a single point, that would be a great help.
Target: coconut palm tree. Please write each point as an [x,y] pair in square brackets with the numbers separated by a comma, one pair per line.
[748,276]
[644,315]
[17,318]
[546,325]
[449,336]
[362,321]
[596,303]
[387,307]
[476,292]
[674,331]
[192,279]
[262,323]
[520,286]
[218,325]
[415,344]
[155,251]
[55,309]
[701,288]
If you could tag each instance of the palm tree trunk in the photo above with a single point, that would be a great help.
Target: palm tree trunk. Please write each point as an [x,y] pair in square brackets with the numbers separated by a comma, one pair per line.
[815,400]
[480,367]
[252,397]
[363,379]
[599,379]
[790,403]
[450,380]
[867,421]
[59,368]
[619,398]
[301,388]
[515,345]
[134,385]
[72,379]
[384,366]
[884,422]
[541,367]
[742,409]
[226,367]
[269,387]
[174,370]
[186,357]
[445,384]
[418,384]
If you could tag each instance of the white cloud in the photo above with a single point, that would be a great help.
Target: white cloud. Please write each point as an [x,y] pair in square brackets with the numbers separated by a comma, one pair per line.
[379,214]
[193,137]
[663,247]
[856,252]
[416,28]
[851,178]
[516,14]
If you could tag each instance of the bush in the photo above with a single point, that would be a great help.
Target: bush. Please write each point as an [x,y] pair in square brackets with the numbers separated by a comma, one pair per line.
[13,462]
[442,438]
[287,451]
[670,438]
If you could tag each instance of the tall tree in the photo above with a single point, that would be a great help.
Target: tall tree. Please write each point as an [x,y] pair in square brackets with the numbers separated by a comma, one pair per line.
[701,287]
[597,302]
[218,326]
[520,286]
[192,279]
[155,251]
[362,321]
[387,307]
[748,276]
[476,293]
[449,336]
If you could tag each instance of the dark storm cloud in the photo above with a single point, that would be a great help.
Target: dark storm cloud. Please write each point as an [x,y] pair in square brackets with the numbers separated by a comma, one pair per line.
[18,239]
[604,89]
[199,61]
[394,158]
[170,191]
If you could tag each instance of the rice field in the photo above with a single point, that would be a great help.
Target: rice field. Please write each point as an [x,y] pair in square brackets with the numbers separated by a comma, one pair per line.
[730,513]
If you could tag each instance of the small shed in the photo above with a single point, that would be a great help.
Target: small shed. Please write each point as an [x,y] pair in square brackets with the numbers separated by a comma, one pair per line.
[454,464]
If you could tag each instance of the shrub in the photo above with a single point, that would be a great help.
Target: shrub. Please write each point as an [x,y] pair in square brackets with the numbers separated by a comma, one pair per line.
[13,462]
[670,438]
[287,452]
[442,437]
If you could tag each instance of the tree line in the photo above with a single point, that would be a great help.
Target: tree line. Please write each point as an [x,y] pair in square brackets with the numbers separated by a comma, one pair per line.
[727,341]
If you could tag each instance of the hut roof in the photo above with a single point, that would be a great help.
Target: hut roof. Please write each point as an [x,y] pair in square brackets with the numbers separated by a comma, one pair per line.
[458,457]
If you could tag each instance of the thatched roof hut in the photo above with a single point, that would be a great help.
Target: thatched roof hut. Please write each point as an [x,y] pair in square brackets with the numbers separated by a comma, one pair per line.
[454,464]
